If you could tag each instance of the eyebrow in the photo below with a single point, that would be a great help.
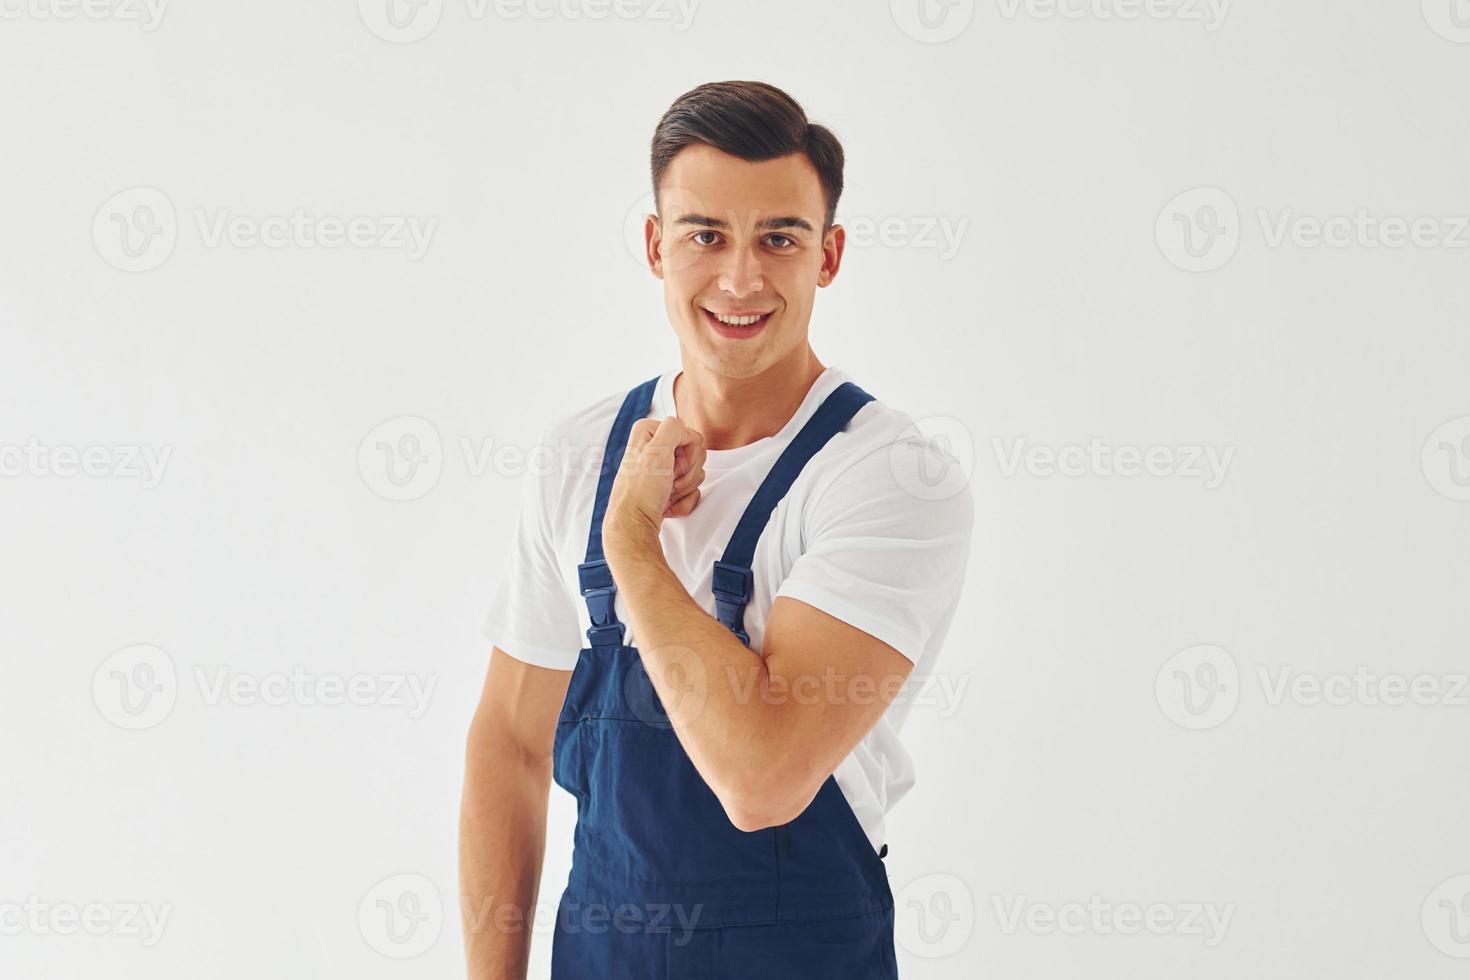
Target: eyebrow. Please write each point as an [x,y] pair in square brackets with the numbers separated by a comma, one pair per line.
[770,224]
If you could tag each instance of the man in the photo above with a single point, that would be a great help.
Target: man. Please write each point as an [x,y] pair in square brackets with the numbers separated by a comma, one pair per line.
[756,567]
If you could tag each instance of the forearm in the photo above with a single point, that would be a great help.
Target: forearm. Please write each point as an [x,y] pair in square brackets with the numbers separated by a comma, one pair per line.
[731,728]
[502,838]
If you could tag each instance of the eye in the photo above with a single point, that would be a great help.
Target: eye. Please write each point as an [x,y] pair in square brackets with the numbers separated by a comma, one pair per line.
[700,234]
[778,239]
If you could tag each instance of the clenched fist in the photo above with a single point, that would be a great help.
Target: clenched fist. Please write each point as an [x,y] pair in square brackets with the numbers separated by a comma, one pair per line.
[660,475]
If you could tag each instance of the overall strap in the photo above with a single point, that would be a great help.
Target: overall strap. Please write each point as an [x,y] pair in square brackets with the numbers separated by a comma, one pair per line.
[732,577]
[593,575]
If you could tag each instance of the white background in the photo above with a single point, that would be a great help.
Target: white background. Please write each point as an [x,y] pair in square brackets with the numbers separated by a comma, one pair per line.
[1082,759]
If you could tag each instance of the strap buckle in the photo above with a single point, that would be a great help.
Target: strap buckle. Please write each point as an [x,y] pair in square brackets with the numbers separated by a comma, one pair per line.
[732,585]
[598,588]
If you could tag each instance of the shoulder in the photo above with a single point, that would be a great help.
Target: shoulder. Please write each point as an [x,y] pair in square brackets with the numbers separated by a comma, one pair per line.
[887,463]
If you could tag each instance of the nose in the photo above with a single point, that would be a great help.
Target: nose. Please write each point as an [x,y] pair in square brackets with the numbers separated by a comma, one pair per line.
[740,272]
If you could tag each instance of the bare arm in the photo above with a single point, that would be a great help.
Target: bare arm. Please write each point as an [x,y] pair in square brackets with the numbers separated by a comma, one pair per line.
[763,731]
[502,825]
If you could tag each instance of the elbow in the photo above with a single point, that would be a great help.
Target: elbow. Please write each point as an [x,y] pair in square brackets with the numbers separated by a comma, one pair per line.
[760,802]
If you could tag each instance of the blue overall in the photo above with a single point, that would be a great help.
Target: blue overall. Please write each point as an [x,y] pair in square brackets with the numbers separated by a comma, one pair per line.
[663,886]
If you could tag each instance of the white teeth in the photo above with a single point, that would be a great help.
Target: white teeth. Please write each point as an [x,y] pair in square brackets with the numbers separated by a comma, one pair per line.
[737,321]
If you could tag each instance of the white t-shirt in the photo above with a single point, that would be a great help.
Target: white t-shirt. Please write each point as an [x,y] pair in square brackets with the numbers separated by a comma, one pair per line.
[867,533]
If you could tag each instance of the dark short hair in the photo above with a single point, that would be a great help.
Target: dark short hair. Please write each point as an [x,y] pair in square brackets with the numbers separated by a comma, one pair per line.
[750,120]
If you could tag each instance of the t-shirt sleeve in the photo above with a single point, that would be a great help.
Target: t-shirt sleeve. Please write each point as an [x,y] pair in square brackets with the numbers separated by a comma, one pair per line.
[886,546]
[532,616]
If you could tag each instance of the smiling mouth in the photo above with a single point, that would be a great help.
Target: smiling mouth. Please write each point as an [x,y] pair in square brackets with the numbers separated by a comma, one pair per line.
[737,325]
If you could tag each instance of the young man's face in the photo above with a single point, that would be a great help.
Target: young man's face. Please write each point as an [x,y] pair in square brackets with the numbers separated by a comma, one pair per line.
[741,239]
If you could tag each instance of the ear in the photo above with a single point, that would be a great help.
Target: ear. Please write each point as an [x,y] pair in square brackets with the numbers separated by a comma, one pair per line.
[832,245]
[653,244]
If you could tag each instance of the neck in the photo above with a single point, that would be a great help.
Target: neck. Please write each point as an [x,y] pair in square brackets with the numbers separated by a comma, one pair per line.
[734,412]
